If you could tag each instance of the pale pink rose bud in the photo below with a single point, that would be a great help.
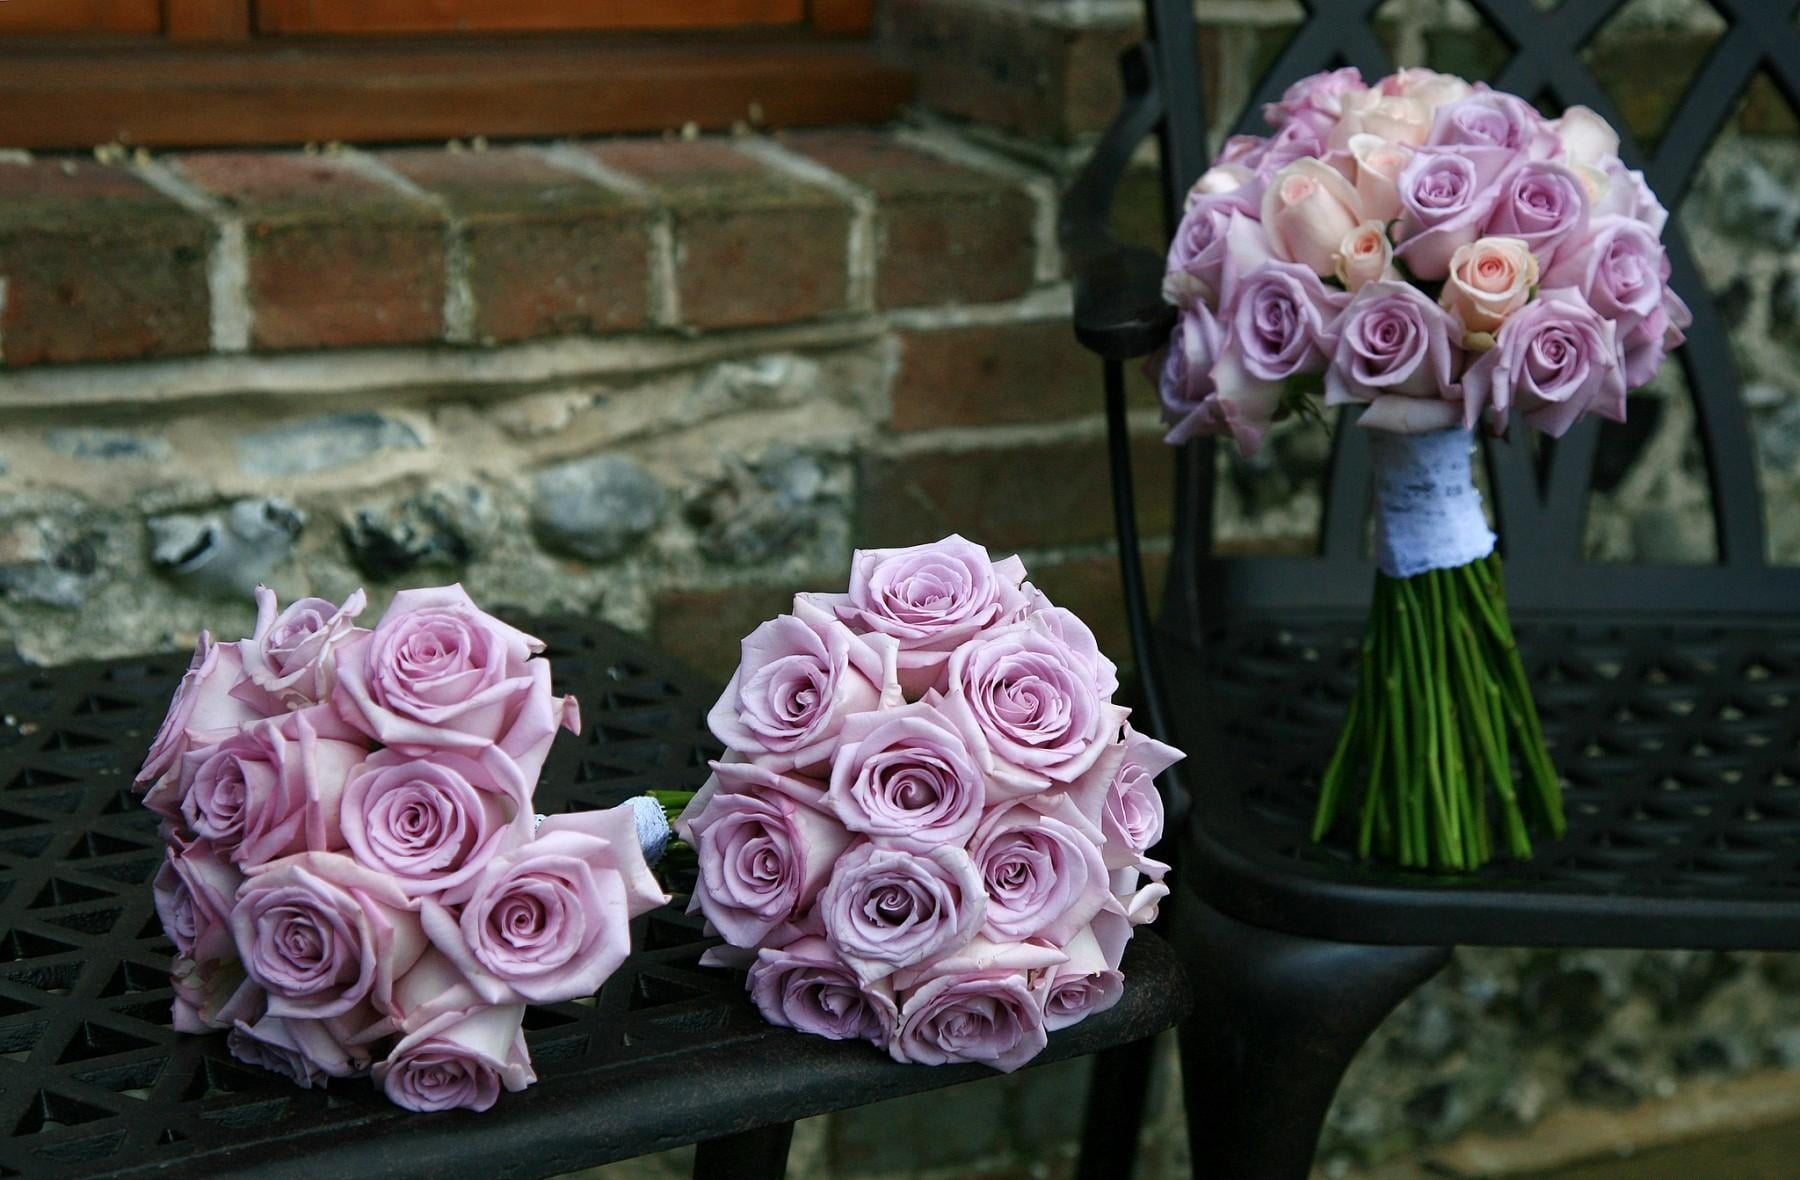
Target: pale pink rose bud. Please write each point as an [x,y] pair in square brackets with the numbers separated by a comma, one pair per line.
[1220,178]
[1391,117]
[1364,256]
[1586,137]
[1307,209]
[1490,278]
[1378,167]
[1428,86]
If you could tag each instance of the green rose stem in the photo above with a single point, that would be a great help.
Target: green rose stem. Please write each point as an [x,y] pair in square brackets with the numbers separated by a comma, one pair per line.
[1441,707]
[678,854]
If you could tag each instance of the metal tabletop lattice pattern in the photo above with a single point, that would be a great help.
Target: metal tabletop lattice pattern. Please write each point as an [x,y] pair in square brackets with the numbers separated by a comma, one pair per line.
[91,1076]
[1679,746]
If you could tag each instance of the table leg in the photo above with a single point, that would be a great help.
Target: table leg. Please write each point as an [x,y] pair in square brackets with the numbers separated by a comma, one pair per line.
[1115,1110]
[748,1155]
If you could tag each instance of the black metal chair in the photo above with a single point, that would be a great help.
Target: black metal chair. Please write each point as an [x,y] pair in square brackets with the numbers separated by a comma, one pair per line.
[1671,694]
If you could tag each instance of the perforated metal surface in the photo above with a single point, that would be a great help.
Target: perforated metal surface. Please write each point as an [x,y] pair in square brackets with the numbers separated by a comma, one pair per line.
[1679,744]
[94,1082]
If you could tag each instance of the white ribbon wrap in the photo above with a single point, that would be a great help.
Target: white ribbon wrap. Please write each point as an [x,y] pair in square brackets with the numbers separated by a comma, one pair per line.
[1427,511]
[653,829]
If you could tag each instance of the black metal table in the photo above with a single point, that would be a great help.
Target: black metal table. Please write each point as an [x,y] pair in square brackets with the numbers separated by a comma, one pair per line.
[94,1082]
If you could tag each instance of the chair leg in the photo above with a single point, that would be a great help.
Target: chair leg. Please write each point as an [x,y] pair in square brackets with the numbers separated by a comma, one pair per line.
[1115,1110]
[1276,1020]
[748,1155]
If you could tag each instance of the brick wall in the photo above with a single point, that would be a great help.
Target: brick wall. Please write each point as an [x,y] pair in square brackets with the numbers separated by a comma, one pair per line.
[669,381]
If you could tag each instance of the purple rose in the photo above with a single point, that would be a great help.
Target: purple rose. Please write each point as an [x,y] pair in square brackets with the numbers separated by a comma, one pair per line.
[289,658]
[1280,320]
[907,778]
[432,822]
[1219,238]
[321,934]
[1131,817]
[1491,119]
[1194,404]
[1543,205]
[1040,705]
[439,673]
[801,675]
[307,1052]
[459,1061]
[885,908]
[1628,195]
[1316,100]
[550,920]
[1446,197]
[765,847]
[1087,984]
[270,790]
[201,711]
[1556,359]
[929,599]
[1137,899]
[194,891]
[806,986]
[1293,143]
[1041,867]
[1643,348]
[1622,272]
[211,995]
[1393,341]
[975,1006]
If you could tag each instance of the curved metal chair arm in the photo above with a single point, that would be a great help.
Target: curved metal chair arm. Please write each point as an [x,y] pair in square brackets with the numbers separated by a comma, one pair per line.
[1119,308]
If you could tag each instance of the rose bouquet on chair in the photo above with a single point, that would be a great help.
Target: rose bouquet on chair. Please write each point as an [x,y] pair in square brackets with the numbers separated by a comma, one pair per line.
[930,829]
[1441,255]
[355,880]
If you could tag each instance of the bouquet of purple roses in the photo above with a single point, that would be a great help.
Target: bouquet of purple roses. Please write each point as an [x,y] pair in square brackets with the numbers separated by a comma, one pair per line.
[355,881]
[1440,254]
[930,830]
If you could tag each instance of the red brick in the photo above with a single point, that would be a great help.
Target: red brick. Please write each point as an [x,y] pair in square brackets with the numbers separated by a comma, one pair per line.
[702,628]
[336,259]
[1003,495]
[752,246]
[994,373]
[1090,587]
[944,233]
[549,253]
[98,266]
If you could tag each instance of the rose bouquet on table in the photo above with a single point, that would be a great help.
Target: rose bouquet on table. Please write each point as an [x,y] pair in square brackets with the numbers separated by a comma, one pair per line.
[930,829]
[355,881]
[1442,255]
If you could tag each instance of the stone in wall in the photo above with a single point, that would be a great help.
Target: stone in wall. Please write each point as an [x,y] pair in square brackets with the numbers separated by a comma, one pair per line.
[596,508]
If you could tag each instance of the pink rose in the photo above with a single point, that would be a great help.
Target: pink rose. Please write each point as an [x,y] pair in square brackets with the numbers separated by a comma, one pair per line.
[439,673]
[459,1061]
[1379,164]
[885,908]
[1085,985]
[289,657]
[806,986]
[202,710]
[1490,278]
[1628,195]
[907,778]
[1393,118]
[194,891]
[1586,138]
[550,920]
[1040,706]
[1316,100]
[1446,198]
[765,847]
[1556,359]
[1365,256]
[270,790]
[1220,178]
[211,995]
[321,934]
[975,1006]
[1041,867]
[307,1052]
[800,676]
[1136,898]
[929,599]
[432,822]
[1306,211]
[1428,86]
